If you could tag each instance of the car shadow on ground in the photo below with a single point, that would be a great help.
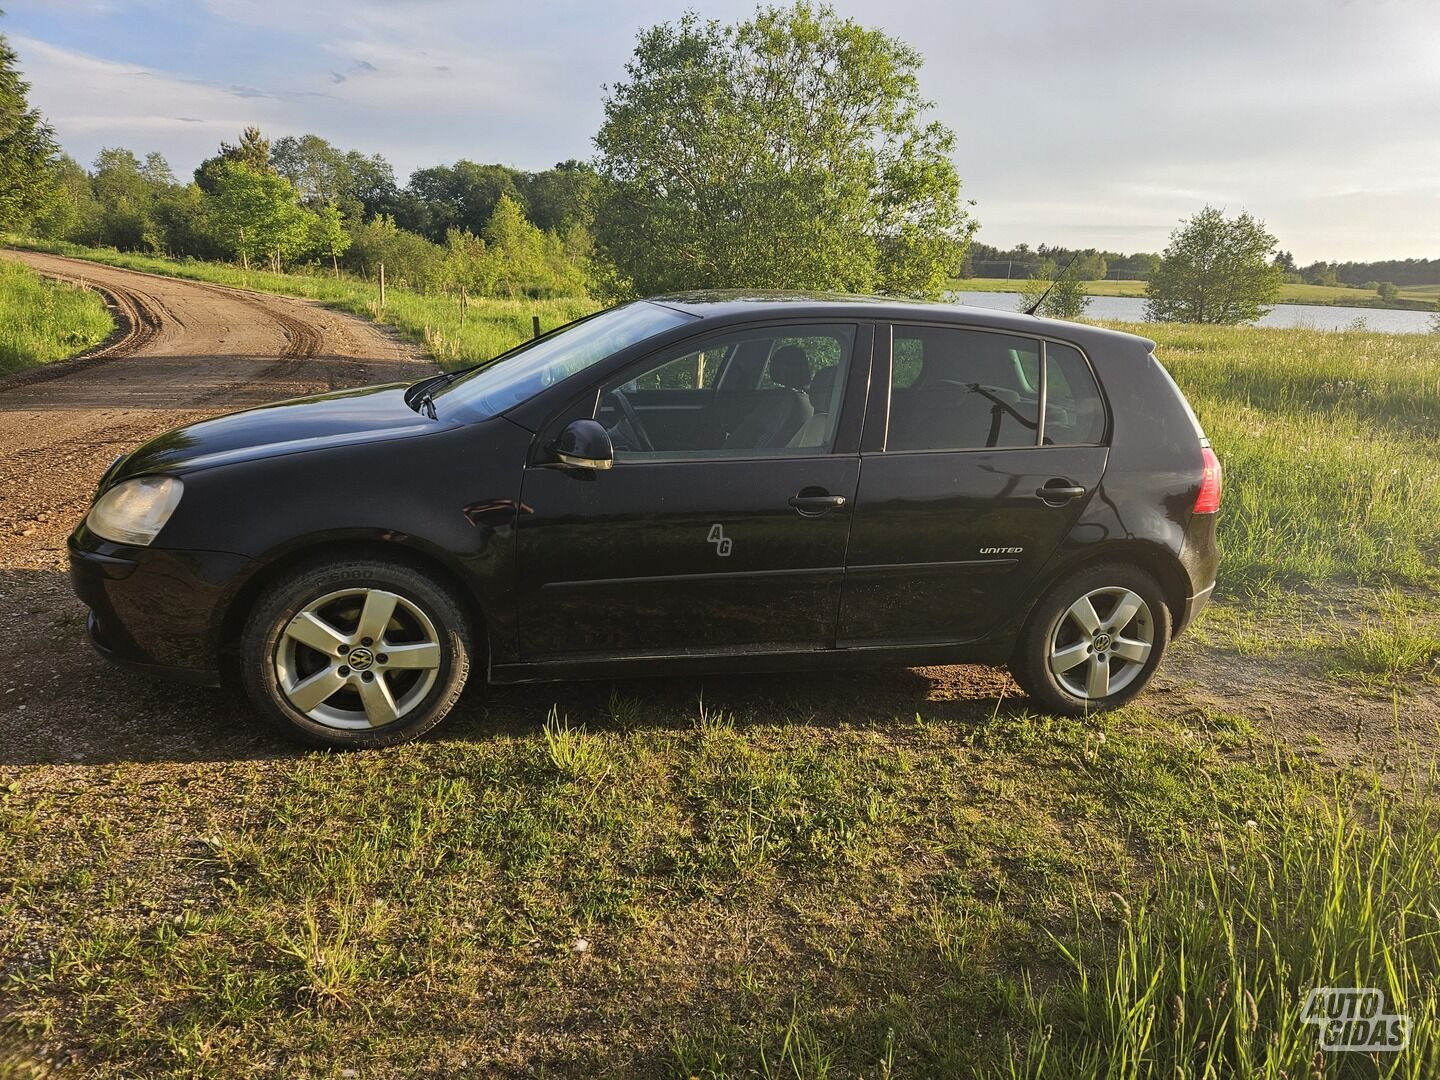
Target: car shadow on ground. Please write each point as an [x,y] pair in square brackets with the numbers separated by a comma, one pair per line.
[62,703]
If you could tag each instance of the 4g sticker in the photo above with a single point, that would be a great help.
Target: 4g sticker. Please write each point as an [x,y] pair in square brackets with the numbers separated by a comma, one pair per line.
[723,544]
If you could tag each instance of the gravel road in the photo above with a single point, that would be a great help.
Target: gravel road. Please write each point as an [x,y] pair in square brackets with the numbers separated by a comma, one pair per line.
[184,350]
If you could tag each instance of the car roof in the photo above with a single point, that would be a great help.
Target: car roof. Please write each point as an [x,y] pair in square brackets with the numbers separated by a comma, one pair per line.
[741,303]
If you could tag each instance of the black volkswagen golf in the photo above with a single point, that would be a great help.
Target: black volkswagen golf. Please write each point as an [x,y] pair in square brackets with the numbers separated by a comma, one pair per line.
[696,483]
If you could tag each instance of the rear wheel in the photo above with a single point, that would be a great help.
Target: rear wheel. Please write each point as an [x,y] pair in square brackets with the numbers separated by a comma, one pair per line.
[355,654]
[1094,640]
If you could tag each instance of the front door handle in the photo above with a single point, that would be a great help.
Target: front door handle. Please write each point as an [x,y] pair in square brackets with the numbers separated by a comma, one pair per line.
[814,504]
[1060,493]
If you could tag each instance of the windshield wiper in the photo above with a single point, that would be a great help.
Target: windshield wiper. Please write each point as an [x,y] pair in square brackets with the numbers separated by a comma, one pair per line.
[420,396]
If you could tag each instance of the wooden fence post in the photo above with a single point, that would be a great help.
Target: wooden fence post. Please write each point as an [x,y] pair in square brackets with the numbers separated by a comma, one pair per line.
[535,324]
[382,286]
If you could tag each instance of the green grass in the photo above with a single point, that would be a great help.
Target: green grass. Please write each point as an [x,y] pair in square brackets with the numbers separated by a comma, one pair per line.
[1206,974]
[1412,297]
[1331,446]
[433,320]
[44,320]
[402,905]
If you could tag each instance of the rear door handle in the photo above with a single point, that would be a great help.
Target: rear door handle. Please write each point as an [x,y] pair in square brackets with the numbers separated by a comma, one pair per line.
[1059,494]
[815,505]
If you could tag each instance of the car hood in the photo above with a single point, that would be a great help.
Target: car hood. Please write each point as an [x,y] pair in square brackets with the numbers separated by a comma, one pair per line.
[287,427]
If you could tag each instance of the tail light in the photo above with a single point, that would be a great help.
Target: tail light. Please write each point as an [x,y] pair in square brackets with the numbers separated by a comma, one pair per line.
[1208,501]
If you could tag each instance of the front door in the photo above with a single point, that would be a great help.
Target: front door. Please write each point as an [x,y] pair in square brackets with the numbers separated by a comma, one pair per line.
[723,524]
[968,498]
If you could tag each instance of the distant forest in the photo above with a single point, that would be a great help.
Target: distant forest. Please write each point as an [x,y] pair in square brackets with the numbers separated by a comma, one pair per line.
[1021,261]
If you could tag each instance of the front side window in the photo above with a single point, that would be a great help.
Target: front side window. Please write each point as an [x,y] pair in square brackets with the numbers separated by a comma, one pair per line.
[758,392]
[519,374]
[955,389]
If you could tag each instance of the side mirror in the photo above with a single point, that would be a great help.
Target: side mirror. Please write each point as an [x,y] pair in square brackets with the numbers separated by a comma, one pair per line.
[585,444]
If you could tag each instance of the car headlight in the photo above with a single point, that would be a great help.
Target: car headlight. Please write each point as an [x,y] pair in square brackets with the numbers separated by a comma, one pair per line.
[134,511]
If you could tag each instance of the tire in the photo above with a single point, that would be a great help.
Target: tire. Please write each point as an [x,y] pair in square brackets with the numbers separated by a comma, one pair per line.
[313,667]
[1056,660]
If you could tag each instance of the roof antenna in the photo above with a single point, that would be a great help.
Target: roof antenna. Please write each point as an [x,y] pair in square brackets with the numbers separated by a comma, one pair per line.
[1036,305]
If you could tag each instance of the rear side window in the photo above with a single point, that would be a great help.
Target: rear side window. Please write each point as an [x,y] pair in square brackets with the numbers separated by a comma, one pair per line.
[1074,411]
[954,389]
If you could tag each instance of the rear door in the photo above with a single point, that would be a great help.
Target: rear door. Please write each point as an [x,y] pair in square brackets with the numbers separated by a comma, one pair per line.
[723,531]
[963,497]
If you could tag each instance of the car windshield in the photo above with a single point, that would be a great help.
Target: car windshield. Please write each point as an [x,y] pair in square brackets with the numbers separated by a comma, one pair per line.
[523,372]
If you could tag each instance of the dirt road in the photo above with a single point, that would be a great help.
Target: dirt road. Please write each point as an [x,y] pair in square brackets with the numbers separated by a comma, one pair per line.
[184,350]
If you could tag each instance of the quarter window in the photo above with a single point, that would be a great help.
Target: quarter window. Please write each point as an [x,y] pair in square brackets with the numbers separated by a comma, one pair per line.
[1074,411]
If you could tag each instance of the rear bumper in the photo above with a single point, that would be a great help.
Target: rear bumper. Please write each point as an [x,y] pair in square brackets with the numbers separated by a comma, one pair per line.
[155,610]
[1200,557]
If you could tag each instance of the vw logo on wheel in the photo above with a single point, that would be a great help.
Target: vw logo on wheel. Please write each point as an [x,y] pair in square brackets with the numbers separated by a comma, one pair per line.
[360,658]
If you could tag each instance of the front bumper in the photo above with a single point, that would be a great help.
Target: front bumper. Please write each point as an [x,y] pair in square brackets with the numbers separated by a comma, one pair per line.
[154,609]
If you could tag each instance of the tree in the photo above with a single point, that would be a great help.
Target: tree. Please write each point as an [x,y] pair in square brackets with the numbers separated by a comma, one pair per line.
[1064,296]
[27,146]
[258,213]
[409,259]
[125,197]
[67,209]
[459,196]
[328,236]
[252,151]
[1388,291]
[788,151]
[1215,270]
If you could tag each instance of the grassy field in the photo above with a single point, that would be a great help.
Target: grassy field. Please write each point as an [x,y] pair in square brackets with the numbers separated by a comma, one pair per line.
[44,320]
[435,321]
[1413,297]
[880,875]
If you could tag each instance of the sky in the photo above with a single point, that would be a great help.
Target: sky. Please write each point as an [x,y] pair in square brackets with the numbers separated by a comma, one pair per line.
[1095,123]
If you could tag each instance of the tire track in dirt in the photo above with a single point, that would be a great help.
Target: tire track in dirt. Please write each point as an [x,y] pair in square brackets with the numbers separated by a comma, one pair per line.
[183,350]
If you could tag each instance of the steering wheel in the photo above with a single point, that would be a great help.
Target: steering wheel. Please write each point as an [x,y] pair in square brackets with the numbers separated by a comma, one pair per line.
[632,418]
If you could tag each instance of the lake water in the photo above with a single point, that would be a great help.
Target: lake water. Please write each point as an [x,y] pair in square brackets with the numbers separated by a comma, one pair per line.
[1310,316]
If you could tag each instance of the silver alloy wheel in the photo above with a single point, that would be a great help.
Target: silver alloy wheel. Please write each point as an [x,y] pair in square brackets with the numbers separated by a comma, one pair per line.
[358,658]
[1102,642]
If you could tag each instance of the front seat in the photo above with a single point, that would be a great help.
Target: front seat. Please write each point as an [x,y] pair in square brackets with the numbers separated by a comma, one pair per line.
[821,393]
[779,413]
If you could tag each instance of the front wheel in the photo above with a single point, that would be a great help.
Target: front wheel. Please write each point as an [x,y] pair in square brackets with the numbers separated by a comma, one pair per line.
[1093,641]
[357,653]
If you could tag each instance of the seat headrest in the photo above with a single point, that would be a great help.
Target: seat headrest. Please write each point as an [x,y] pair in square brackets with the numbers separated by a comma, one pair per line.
[790,366]
[822,385]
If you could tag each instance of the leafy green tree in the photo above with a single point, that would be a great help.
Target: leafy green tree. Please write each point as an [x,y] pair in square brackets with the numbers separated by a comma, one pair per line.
[68,209]
[182,215]
[1215,270]
[409,259]
[465,268]
[328,236]
[317,169]
[258,213]
[557,198]
[459,196]
[1388,291]
[126,197]
[252,151]
[1064,296]
[27,146]
[787,151]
